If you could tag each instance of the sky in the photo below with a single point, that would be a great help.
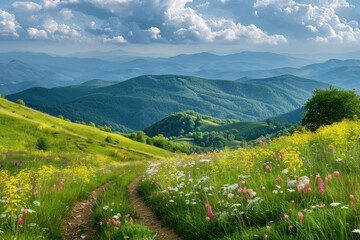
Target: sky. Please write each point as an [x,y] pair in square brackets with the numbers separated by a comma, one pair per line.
[166,27]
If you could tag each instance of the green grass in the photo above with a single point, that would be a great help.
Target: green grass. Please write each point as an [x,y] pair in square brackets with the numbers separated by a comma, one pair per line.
[23,126]
[243,127]
[274,175]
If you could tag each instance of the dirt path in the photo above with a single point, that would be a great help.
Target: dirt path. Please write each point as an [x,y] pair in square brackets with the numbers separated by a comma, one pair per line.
[147,216]
[80,224]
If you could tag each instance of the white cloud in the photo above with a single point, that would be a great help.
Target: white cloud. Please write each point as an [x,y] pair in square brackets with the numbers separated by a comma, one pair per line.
[203,5]
[92,25]
[318,16]
[117,39]
[35,33]
[193,27]
[27,6]
[154,33]
[8,25]
[60,31]
[51,3]
[66,13]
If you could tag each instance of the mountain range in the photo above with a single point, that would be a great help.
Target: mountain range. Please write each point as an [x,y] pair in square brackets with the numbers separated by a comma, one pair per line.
[44,70]
[341,73]
[139,102]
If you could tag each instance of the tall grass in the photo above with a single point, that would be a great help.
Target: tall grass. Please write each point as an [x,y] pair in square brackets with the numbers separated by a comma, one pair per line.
[272,191]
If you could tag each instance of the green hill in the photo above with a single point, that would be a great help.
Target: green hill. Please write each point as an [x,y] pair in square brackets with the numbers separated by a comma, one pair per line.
[140,102]
[206,131]
[22,127]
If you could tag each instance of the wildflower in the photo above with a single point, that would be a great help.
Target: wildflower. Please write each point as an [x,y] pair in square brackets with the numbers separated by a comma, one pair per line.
[266,237]
[230,195]
[207,219]
[290,227]
[337,174]
[356,231]
[285,171]
[210,213]
[267,167]
[292,202]
[352,202]
[286,217]
[275,191]
[301,216]
[263,189]
[279,179]
[321,186]
[268,228]
[36,203]
[335,204]
[329,176]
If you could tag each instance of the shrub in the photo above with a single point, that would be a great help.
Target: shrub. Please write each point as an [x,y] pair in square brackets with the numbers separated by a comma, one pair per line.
[110,139]
[43,144]
[20,102]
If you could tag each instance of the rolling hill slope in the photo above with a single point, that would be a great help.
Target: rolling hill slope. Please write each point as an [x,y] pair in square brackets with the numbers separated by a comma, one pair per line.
[22,127]
[142,101]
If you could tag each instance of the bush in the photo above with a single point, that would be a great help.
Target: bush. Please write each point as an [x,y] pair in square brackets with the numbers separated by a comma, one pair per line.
[110,139]
[43,144]
[20,102]
[61,117]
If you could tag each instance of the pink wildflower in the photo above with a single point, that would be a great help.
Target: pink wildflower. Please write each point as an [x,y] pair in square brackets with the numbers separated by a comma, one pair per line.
[337,174]
[263,189]
[321,186]
[286,217]
[353,202]
[266,237]
[207,219]
[268,228]
[301,216]
[210,213]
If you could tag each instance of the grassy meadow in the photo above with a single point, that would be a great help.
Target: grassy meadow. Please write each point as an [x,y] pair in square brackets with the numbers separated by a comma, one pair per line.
[304,186]
[39,188]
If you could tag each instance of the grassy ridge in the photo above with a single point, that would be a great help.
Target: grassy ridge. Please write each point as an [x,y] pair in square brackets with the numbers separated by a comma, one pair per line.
[23,126]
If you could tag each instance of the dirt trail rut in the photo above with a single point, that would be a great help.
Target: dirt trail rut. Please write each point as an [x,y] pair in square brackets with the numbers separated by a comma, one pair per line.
[147,216]
[80,225]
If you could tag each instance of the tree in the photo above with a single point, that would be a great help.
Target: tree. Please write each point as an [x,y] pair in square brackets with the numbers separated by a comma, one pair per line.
[43,144]
[20,102]
[329,106]
[141,137]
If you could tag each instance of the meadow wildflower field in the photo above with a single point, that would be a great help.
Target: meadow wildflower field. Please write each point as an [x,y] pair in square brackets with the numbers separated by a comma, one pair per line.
[38,189]
[305,186]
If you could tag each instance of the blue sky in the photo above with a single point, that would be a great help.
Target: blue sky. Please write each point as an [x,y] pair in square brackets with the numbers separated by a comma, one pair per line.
[176,26]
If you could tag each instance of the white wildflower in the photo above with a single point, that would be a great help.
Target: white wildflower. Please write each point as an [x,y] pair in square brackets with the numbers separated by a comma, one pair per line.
[335,204]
